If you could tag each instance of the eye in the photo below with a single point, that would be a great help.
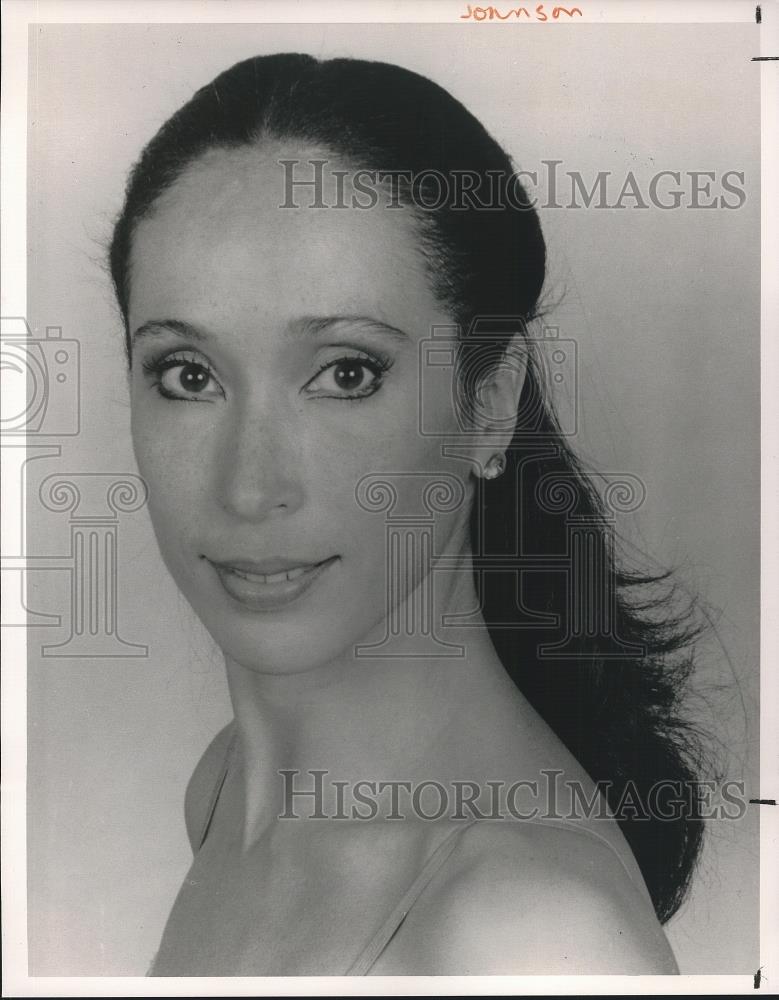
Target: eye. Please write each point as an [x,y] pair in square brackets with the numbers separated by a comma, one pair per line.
[183,377]
[349,377]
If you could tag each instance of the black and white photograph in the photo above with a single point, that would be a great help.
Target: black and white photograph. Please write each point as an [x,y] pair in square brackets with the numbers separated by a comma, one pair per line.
[382,544]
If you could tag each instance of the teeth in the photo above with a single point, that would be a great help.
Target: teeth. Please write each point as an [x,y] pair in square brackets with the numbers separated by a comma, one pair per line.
[291,574]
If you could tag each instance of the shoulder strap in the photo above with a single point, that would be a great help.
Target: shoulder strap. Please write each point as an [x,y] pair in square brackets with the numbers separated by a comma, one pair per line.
[624,856]
[217,791]
[388,929]
[435,862]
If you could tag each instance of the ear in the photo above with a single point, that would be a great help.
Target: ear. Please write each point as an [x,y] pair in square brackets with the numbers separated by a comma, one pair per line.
[496,403]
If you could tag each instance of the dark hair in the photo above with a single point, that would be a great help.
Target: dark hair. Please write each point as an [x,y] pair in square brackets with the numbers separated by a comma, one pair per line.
[610,694]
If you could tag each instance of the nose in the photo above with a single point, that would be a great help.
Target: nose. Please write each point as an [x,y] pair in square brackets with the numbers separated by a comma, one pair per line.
[259,474]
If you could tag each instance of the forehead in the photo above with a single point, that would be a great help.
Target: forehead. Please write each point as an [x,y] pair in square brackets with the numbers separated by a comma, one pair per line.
[219,248]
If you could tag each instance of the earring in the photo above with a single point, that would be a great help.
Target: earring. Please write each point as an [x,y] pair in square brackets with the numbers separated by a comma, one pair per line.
[496,466]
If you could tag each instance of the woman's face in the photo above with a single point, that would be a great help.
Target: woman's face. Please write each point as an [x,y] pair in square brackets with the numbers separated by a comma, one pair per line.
[274,365]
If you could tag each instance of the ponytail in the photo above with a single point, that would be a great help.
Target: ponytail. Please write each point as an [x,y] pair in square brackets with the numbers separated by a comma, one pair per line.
[612,697]
[599,654]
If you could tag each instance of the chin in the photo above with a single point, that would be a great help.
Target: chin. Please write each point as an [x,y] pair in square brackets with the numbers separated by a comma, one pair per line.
[280,653]
[280,644]
[320,627]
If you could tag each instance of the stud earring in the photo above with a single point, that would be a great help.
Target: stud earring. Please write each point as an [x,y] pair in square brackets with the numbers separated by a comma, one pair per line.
[496,466]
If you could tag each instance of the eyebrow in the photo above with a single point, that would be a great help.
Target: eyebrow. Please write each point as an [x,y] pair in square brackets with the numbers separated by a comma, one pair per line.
[307,326]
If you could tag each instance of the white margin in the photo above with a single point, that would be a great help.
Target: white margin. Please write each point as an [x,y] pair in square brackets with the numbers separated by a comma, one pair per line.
[17,16]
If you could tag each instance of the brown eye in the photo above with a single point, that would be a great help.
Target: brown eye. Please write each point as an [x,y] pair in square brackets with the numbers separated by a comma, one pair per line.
[188,378]
[193,378]
[350,375]
[183,378]
[349,378]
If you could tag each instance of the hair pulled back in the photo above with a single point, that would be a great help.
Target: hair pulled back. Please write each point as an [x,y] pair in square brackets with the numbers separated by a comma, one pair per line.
[612,699]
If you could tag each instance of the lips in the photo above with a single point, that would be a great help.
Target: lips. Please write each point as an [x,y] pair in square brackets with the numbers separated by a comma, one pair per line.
[270,584]
[291,574]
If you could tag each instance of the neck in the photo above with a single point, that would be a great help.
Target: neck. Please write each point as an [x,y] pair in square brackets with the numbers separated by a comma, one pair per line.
[403,715]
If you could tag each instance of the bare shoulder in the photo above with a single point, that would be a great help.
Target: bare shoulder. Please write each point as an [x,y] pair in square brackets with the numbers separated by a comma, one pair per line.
[529,898]
[202,784]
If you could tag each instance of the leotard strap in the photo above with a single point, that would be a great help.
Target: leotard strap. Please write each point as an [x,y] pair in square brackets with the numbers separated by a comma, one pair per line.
[371,952]
[217,790]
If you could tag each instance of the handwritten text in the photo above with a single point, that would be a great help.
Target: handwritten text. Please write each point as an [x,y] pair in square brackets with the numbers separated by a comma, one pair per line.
[539,13]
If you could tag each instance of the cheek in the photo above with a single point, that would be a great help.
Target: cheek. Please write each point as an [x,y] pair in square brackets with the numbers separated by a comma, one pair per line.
[173,467]
[414,499]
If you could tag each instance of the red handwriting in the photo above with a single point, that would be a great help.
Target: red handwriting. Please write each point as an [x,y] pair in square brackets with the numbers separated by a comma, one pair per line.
[538,14]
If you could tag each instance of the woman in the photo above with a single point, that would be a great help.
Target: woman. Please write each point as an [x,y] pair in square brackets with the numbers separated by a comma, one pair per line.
[401,588]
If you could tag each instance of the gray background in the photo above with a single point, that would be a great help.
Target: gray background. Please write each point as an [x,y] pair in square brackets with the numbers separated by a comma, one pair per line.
[664,307]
